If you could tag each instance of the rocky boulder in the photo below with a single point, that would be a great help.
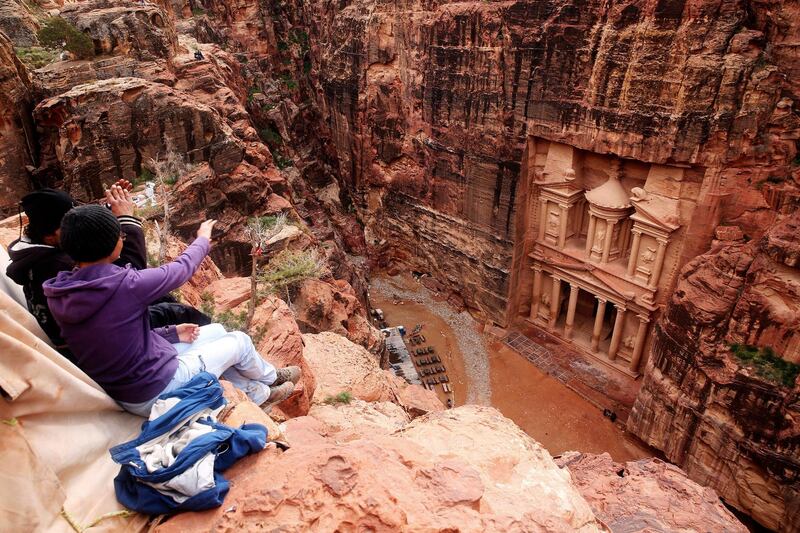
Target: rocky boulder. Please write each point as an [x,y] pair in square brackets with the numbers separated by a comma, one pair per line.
[138,29]
[99,132]
[324,305]
[342,366]
[18,23]
[642,495]
[468,469]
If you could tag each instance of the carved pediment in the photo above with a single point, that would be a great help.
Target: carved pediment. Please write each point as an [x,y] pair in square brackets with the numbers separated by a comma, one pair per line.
[655,210]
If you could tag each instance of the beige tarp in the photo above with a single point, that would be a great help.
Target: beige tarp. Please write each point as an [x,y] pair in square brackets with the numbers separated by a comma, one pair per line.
[56,426]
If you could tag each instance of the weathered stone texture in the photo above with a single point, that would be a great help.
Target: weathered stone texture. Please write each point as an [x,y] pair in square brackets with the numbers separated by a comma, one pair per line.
[641,495]
[713,416]
[435,101]
[17,142]
[141,30]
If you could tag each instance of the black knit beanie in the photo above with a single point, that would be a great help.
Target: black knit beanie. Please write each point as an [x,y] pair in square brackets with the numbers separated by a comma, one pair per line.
[89,233]
[45,209]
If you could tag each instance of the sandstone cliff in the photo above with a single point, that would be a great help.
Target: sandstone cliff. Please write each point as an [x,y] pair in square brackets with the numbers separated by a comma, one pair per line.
[430,106]
[17,141]
[731,424]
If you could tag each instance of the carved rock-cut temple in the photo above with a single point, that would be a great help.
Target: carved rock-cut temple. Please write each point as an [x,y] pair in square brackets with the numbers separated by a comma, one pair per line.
[605,239]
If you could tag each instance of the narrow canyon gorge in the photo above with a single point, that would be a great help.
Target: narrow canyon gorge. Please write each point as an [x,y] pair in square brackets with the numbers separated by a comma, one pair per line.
[614,184]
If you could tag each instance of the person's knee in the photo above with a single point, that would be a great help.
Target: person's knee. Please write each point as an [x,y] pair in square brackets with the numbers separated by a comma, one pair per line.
[244,341]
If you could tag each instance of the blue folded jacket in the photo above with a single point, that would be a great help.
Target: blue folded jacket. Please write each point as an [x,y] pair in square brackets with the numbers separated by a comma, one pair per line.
[174,465]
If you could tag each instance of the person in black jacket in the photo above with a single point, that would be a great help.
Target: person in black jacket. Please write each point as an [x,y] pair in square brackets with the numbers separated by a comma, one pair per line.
[37,257]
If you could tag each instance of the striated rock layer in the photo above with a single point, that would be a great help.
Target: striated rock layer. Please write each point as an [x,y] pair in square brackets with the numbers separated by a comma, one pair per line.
[723,421]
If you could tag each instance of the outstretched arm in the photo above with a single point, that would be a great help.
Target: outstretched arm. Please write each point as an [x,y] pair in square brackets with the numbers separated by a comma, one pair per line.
[153,283]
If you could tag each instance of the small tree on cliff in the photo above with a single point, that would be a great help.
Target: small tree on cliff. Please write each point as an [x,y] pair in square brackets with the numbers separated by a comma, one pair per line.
[57,32]
[259,231]
[290,267]
[166,171]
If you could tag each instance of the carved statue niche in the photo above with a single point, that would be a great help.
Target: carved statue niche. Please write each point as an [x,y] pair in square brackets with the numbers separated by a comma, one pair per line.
[599,237]
[553,222]
[629,342]
[649,255]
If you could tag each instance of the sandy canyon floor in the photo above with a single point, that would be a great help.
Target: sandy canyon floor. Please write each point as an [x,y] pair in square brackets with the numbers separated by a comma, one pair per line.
[484,370]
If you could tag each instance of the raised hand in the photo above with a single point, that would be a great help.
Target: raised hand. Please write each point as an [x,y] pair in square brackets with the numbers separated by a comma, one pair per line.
[120,200]
[205,229]
[125,184]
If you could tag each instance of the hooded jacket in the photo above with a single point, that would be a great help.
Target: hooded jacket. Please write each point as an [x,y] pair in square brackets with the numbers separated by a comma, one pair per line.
[32,264]
[103,316]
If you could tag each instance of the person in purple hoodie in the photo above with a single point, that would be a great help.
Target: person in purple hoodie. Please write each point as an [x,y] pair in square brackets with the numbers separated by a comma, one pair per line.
[101,309]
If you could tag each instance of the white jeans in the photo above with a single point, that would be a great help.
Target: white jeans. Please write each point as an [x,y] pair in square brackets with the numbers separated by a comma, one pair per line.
[230,355]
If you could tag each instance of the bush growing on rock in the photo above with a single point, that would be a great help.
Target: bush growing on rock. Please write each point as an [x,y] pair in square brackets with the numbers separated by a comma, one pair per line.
[35,56]
[290,267]
[57,32]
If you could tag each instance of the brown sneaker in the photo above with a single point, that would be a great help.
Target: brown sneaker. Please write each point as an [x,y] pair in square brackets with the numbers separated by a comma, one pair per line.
[290,373]
[279,393]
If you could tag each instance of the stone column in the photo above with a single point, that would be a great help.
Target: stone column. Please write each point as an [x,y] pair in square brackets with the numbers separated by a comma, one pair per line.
[562,230]
[638,345]
[555,302]
[662,249]
[607,244]
[590,234]
[598,323]
[619,321]
[536,293]
[542,217]
[573,302]
[637,241]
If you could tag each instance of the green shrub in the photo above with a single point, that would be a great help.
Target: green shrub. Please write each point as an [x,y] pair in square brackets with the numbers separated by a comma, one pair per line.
[207,304]
[270,136]
[290,83]
[291,266]
[35,56]
[144,176]
[282,46]
[57,32]
[344,397]
[766,363]
[232,321]
[198,11]
[252,92]
[280,161]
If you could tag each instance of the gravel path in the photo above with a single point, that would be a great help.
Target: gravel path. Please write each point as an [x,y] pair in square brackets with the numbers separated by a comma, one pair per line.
[470,342]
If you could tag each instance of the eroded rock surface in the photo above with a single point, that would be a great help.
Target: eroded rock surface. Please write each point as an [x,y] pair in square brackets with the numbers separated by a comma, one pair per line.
[465,469]
[16,128]
[341,366]
[642,495]
[334,306]
[430,109]
[713,415]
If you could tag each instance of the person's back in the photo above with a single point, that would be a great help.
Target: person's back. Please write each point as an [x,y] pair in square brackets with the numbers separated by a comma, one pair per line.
[31,265]
[102,311]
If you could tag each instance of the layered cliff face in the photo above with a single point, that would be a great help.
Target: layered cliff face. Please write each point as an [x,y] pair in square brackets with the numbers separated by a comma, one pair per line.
[430,106]
[17,141]
[730,422]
